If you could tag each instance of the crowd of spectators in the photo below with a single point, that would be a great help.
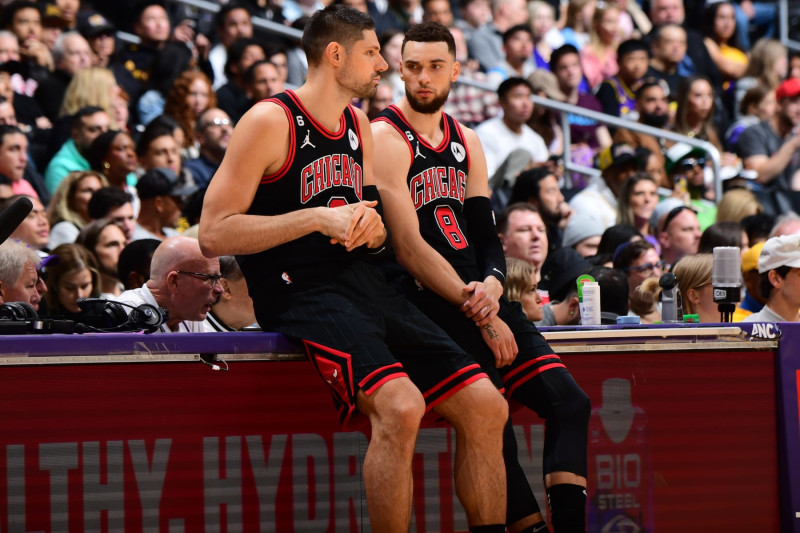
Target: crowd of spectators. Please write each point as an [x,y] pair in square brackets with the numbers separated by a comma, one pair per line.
[114,142]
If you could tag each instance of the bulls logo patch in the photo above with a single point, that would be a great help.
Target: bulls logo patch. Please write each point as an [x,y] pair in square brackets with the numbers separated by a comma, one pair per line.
[458,151]
[353,138]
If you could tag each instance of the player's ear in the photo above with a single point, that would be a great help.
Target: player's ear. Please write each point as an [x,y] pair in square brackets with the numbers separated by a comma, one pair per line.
[456,71]
[334,53]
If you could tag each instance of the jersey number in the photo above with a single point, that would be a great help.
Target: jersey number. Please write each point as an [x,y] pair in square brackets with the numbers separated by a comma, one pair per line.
[449,226]
[337,201]
[300,121]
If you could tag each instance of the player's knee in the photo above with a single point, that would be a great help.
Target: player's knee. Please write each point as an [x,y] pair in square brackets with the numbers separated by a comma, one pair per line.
[578,408]
[488,408]
[401,408]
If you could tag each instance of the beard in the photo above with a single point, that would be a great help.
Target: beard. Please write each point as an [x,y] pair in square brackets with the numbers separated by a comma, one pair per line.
[652,119]
[356,88]
[430,107]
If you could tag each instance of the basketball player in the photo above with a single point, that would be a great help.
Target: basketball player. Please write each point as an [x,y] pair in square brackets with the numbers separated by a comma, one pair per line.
[295,198]
[433,181]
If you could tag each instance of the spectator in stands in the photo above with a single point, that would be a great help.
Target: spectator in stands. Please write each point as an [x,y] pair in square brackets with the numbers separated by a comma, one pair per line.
[232,97]
[614,293]
[105,240]
[637,199]
[617,93]
[578,23]
[668,47]
[617,163]
[133,266]
[234,309]
[233,21]
[757,105]
[71,53]
[190,95]
[113,154]
[469,105]
[158,147]
[719,29]
[214,129]
[768,65]
[263,81]
[99,33]
[18,274]
[14,159]
[539,187]
[89,87]
[522,286]
[588,136]
[771,147]
[546,36]
[695,115]
[752,302]
[694,281]
[438,11]
[544,121]
[679,234]
[170,65]
[599,56]
[9,47]
[391,42]
[639,261]
[161,195]
[87,124]
[583,233]
[558,277]
[736,204]
[518,55]
[74,276]
[616,235]
[523,234]
[114,204]
[758,227]
[184,282]
[652,107]
[26,111]
[34,230]
[485,42]
[723,234]
[383,98]
[69,208]
[504,134]
[24,19]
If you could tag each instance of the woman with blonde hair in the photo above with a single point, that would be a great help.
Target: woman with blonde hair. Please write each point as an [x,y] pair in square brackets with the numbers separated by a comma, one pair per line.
[693,273]
[578,22]
[521,286]
[68,211]
[93,86]
[546,36]
[769,63]
[191,94]
[599,56]
[737,204]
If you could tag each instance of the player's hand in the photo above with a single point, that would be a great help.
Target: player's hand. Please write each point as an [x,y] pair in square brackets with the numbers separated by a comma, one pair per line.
[355,224]
[498,337]
[484,300]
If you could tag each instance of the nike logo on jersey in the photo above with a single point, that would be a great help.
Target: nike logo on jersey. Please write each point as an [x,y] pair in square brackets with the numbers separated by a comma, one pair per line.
[307,140]
[437,182]
[418,154]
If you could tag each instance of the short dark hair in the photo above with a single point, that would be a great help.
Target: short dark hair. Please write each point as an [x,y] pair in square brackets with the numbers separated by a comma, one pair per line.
[527,184]
[250,73]
[136,257]
[614,289]
[335,23]
[502,218]
[630,46]
[151,132]
[11,9]
[141,5]
[616,235]
[513,30]
[559,53]
[221,15]
[86,111]
[628,252]
[512,83]
[236,51]
[105,199]
[658,30]
[8,129]
[430,32]
[765,286]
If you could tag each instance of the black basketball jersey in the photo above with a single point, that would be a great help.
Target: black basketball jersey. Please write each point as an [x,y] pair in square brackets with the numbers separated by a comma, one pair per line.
[322,169]
[437,183]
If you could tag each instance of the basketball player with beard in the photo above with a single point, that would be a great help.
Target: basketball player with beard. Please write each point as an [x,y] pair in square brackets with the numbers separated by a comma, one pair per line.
[294,197]
[433,182]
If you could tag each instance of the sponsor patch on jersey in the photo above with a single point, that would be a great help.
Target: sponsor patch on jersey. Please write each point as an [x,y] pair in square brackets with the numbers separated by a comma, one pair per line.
[351,135]
[458,151]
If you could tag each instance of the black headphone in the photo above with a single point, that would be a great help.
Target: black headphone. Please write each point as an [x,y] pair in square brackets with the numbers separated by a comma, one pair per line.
[112,316]
[18,311]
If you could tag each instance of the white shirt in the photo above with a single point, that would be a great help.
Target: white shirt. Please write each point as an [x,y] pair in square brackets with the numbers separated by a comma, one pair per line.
[498,141]
[142,295]
[765,315]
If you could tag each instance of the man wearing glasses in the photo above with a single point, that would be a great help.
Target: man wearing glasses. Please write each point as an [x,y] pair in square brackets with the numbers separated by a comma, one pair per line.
[213,132]
[183,282]
[685,166]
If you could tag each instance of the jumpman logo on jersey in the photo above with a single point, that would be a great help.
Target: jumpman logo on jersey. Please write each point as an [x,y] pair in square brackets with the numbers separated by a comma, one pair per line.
[307,141]
[419,153]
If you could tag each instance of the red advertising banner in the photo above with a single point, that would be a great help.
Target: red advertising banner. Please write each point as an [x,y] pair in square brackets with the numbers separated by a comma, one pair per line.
[679,442]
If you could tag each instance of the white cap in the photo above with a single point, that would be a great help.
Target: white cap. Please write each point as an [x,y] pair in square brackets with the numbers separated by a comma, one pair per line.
[783,250]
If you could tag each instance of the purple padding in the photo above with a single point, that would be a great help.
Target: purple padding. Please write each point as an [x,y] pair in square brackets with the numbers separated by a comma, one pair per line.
[157,343]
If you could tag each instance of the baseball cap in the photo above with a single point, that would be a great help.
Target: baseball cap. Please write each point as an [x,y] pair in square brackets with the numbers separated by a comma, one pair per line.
[662,208]
[560,270]
[617,154]
[788,89]
[93,24]
[783,250]
[679,151]
[162,181]
[53,17]
[750,257]
[581,226]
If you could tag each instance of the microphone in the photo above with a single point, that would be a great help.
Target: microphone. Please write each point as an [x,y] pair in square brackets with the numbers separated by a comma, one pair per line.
[726,280]
[670,299]
[13,215]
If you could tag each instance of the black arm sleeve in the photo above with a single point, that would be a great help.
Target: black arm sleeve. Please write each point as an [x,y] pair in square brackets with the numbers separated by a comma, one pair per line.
[482,231]
[384,250]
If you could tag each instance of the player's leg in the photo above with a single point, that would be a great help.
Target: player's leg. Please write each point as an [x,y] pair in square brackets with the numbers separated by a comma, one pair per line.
[394,411]
[478,413]
[523,514]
